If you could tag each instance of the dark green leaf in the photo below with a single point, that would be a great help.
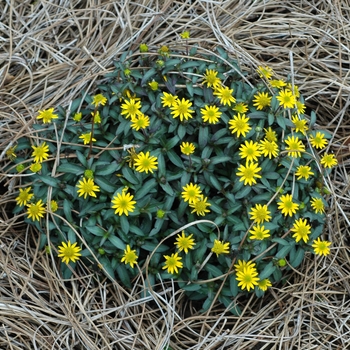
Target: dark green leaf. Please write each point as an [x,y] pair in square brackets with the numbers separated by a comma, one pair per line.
[51,181]
[145,189]
[105,184]
[268,270]
[243,192]
[117,242]
[70,168]
[124,222]
[107,170]
[97,231]
[148,75]
[175,159]
[129,175]
[203,136]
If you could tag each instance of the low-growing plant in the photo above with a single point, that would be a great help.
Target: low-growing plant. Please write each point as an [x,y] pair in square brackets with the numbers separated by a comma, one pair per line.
[185,163]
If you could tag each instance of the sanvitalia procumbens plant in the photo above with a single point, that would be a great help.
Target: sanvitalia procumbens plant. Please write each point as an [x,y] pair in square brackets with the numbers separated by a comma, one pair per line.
[172,137]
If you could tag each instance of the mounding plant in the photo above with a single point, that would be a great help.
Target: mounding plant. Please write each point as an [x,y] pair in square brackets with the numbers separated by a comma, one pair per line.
[185,165]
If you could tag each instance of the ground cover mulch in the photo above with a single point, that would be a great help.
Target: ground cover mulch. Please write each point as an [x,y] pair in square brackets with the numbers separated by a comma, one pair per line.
[49,52]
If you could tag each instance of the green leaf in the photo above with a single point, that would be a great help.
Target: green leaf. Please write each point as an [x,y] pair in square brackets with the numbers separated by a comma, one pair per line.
[278,239]
[167,189]
[105,185]
[67,209]
[124,275]
[107,170]
[175,159]
[203,136]
[234,285]
[243,192]
[298,258]
[145,189]
[95,230]
[75,104]
[172,142]
[189,87]
[70,168]
[268,270]
[117,242]
[181,131]
[136,230]
[215,182]
[151,246]
[284,251]
[312,119]
[104,261]
[48,180]
[191,287]
[82,158]
[148,75]
[129,175]
[213,270]
[220,159]
[124,222]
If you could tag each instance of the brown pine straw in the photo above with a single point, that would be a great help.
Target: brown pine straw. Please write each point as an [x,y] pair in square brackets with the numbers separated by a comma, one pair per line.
[50,51]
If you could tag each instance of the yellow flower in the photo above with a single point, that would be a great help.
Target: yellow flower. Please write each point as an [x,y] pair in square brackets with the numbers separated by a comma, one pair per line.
[300,124]
[286,99]
[123,203]
[53,206]
[329,160]
[264,284]
[240,107]
[268,148]
[260,213]
[40,152]
[249,173]
[262,99]
[145,163]
[259,233]
[164,50]
[318,141]
[317,205]
[210,114]
[187,148]
[265,72]
[153,85]
[225,95]
[277,83]
[220,247]
[168,100]
[140,122]
[294,146]
[270,134]
[77,117]
[96,117]
[87,187]
[211,79]
[172,263]
[244,264]
[250,151]
[300,107]
[247,278]
[303,171]
[239,124]
[24,196]
[129,256]
[99,99]
[200,206]
[143,48]
[87,138]
[35,167]
[295,90]
[11,153]
[47,115]
[191,193]
[287,206]
[36,210]
[321,247]
[184,243]
[131,108]
[69,252]
[185,34]
[181,108]
[301,229]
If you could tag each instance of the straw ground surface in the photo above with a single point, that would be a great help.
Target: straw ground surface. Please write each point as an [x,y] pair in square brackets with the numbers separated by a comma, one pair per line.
[49,52]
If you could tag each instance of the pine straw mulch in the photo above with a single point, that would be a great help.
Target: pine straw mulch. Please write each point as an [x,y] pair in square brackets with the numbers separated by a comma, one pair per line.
[51,50]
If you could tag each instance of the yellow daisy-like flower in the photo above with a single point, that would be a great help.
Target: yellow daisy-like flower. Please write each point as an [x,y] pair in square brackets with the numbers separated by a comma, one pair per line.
[239,124]
[286,99]
[321,247]
[131,108]
[300,124]
[300,107]
[287,206]
[145,163]
[264,284]
[294,146]
[168,100]
[129,256]
[35,167]
[277,83]
[295,90]
[24,196]
[240,107]
[262,100]
[187,148]
[244,264]
[99,99]
[69,252]
[301,229]
[35,211]
[260,213]
[47,115]
[96,117]
[191,193]
[225,95]
[220,247]
[200,206]
[11,153]
[270,134]
[317,205]
[172,263]
[184,243]
[123,203]
[268,148]
[153,85]
[318,141]
[181,108]
[77,117]
[265,72]
[247,278]
[87,138]
[259,233]
[303,171]
[211,79]
[329,160]
[40,152]
[143,48]
[249,173]
[87,187]
[140,122]
[250,151]
[185,34]
[53,206]
[210,114]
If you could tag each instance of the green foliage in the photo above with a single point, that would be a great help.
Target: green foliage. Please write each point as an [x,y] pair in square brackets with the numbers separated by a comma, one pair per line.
[159,209]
